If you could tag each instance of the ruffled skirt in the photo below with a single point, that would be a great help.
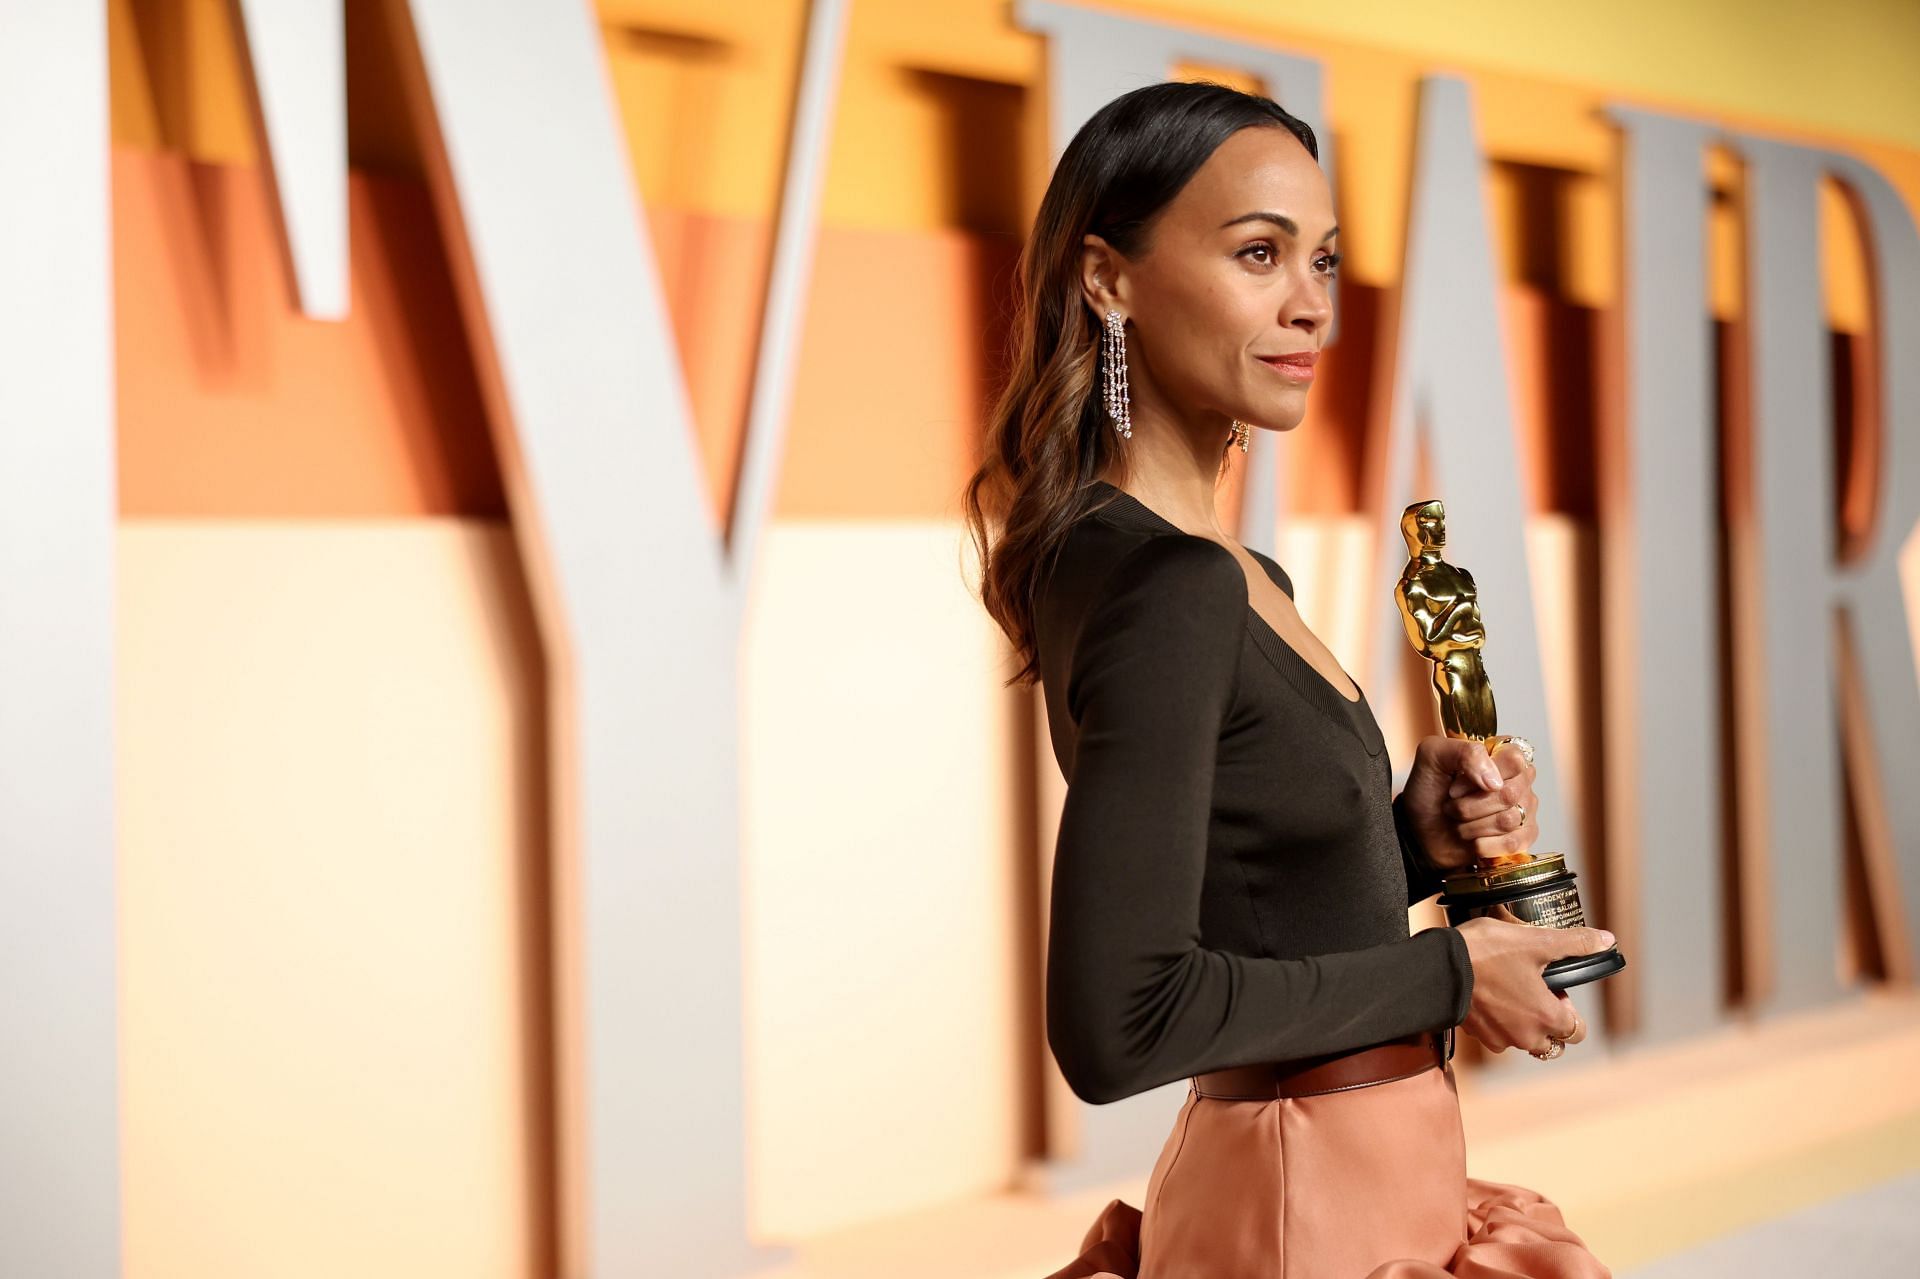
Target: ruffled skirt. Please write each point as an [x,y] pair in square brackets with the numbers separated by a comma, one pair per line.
[1370,1183]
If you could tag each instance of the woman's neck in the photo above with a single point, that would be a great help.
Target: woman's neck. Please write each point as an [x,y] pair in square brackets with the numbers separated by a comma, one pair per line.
[1184,500]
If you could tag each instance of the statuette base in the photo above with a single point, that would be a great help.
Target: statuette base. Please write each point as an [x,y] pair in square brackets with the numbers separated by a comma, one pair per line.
[1541,892]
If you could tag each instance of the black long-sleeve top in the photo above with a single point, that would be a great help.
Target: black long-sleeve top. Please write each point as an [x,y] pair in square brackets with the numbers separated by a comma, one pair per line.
[1232,873]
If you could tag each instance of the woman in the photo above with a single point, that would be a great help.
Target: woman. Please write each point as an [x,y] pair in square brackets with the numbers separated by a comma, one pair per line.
[1232,872]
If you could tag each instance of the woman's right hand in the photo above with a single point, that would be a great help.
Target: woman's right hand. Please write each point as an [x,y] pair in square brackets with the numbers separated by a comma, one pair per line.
[1512,1005]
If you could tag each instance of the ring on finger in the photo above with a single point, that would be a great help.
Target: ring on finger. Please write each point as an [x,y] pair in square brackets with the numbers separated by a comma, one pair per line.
[1571,1035]
[1554,1048]
[1522,810]
[1522,745]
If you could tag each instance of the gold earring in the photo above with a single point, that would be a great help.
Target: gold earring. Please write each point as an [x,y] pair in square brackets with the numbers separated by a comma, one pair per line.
[1241,432]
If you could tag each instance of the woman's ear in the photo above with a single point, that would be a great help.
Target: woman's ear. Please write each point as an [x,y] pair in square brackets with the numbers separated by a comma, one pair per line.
[1100,276]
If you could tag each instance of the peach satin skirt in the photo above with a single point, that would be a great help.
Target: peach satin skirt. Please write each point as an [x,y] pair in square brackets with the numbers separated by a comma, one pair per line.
[1370,1183]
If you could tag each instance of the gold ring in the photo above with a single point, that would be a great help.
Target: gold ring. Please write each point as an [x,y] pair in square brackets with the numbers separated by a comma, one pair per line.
[1554,1050]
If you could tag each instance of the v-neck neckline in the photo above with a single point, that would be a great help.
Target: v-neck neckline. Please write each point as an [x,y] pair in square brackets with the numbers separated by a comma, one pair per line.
[1270,641]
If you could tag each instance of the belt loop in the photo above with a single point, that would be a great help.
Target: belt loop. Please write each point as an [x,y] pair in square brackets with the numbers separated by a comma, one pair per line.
[1449,1043]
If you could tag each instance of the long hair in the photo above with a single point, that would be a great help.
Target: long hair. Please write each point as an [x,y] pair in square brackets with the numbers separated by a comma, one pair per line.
[1047,438]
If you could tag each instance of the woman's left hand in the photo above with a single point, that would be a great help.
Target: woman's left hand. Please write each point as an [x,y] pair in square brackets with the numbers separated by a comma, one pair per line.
[1464,804]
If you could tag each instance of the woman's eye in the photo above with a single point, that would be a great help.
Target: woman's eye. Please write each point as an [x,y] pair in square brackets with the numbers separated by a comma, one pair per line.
[1263,254]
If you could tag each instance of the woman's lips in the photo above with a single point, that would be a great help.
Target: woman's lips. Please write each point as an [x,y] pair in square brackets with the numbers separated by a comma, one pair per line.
[1296,368]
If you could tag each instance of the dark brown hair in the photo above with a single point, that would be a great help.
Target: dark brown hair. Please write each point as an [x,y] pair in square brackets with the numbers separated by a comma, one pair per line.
[1048,436]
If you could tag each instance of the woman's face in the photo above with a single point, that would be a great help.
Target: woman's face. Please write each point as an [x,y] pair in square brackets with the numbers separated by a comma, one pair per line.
[1234,275]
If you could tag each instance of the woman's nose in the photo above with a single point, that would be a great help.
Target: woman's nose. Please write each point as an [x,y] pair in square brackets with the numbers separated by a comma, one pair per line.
[1309,308]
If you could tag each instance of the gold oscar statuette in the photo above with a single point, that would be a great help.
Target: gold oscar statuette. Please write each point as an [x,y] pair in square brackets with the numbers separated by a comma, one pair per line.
[1441,608]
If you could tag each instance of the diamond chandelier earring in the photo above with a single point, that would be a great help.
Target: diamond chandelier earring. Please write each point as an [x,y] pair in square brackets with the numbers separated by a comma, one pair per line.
[1113,370]
[1240,433]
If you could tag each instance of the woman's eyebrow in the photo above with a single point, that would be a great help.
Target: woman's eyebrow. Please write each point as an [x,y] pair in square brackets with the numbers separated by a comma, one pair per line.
[1280,220]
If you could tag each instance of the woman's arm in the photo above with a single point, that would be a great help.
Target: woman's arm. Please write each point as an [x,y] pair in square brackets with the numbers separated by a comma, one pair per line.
[1133,1000]
[1423,881]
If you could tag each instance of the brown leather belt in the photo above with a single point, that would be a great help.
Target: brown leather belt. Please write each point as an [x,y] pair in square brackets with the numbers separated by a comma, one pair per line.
[1334,1072]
